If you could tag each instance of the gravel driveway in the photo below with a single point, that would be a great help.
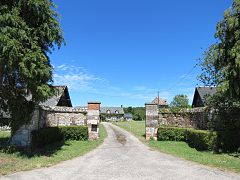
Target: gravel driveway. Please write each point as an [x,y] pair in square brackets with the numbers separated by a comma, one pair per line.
[122,156]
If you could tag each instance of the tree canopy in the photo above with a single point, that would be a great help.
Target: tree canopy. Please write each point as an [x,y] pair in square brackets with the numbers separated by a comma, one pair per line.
[221,68]
[29,30]
[221,62]
[180,101]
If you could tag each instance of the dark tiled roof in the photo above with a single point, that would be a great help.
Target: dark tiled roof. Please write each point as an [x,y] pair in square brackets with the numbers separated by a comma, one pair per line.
[53,101]
[204,92]
[128,115]
[113,110]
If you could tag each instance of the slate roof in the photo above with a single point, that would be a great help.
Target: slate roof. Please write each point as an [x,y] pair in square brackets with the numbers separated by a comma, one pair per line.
[113,110]
[52,101]
[159,101]
[128,115]
[206,91]
[203,93]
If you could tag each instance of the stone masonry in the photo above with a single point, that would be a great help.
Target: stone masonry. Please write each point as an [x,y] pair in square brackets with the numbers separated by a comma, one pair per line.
[46,116]
[93,119]
[151,121]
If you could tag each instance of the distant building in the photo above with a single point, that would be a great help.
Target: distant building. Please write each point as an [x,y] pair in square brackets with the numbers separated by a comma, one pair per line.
[162,103]
[201,94]
[128,117]
[112,113]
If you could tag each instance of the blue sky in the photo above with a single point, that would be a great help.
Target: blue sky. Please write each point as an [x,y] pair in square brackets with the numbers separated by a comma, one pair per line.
[121,52]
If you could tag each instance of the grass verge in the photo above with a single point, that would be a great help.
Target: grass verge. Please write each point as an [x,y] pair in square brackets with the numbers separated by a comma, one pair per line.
[52,154]
[181,149]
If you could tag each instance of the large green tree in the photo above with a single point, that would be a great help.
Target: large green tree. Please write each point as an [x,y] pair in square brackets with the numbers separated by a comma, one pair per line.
[221,62]
[29,31]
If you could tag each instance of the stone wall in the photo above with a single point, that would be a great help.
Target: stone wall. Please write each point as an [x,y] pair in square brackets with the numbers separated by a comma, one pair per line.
[46,116]
[190,118]
[62,116]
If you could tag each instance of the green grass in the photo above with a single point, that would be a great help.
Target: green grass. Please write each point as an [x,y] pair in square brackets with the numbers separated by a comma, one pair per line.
[181,149]
[50,155]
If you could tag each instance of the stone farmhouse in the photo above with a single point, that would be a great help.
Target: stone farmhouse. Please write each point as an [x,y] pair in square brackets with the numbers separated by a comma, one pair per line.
[112,113]
[200,95]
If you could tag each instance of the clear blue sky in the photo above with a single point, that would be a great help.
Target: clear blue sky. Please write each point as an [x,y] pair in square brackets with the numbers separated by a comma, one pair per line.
[121,52]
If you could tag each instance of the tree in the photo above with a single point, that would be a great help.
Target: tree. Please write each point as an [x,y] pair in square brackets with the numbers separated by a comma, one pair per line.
[180,101]
[228,48]
[210,76]
[29,30]
[221,62]
[223,59]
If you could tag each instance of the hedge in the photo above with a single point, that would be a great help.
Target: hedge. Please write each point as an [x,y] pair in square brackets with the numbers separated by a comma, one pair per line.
[50,135]
[45,136]
[74,132]
[201,139]
[198,139]
[171,134]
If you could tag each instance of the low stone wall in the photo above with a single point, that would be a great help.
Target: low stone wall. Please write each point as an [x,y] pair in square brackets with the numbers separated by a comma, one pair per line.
[190,118]
[62,116]
[46,116]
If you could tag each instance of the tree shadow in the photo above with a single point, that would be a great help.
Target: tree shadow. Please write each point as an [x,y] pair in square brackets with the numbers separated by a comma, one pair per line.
[31,151]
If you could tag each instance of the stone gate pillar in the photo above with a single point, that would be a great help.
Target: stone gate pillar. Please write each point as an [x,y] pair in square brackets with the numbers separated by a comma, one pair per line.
[151,121]
[93,119]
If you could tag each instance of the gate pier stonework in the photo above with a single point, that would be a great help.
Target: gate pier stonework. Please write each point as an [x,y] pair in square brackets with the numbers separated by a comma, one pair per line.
[151,121]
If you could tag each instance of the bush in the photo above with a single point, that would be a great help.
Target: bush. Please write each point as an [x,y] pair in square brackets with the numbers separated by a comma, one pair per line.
[200,139]
[74,132]
[228,141]
[171,134]
[50,135]
[46,136]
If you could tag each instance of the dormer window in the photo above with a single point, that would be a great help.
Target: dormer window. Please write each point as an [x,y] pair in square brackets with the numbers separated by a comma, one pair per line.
[108,111]
[116,112]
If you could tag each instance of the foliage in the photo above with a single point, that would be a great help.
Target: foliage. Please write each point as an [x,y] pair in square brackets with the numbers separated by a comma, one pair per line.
[222,63]
[210,76]
[137,112]
[171,134]
[74,132]
[29,30]
[49,135]
[128,109]
[46,136]
[179,102]
[201,140]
